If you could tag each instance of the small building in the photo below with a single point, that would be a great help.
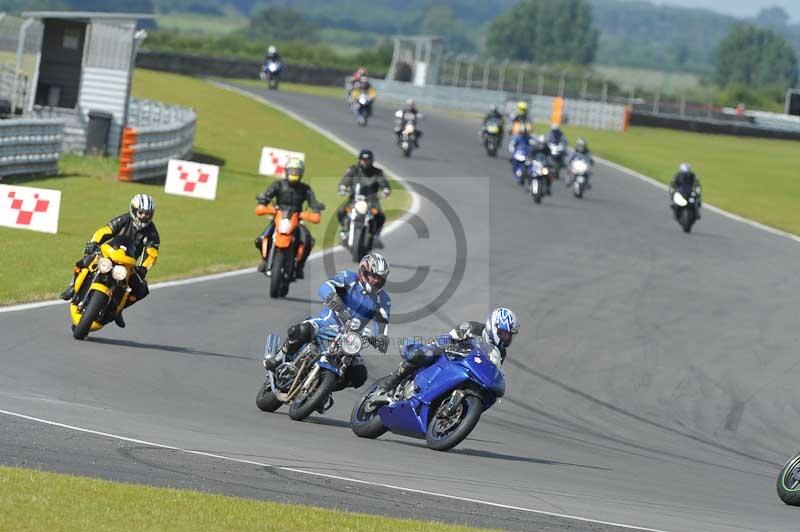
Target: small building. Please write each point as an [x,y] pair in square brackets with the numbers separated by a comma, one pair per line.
[85,65]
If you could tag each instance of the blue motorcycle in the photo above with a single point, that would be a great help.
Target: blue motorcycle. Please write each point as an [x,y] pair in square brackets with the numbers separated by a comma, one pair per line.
[441,403]
[308,380]
[520,149]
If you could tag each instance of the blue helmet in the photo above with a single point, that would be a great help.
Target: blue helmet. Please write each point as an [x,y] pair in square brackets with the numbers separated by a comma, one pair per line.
[501,326]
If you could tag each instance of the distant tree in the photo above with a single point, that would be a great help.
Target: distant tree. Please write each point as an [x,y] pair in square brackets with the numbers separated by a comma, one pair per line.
[774,17]
[281,24]
[544,31]
[441,20]
[755,57]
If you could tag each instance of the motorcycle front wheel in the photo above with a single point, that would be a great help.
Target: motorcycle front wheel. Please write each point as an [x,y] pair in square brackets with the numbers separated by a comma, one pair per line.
[367,424]
[97,302]
[687,220]
[789,482]
[276,279]
[445,431]
[302,407]
[266,400]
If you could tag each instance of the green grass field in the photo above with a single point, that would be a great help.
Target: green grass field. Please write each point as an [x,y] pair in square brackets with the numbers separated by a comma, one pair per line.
[33,500]
[755,178]
[197,236]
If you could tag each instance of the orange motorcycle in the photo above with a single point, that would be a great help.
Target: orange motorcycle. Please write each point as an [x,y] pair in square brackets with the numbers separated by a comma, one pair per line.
[281,250]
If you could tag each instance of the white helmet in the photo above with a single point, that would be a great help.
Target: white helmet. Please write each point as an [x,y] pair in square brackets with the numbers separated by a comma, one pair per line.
[685,168]
[500,327]
[271,50]
[373,270]
[141,209]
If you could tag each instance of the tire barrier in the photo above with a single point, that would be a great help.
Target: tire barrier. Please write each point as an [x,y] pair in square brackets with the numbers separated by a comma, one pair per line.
[30,146]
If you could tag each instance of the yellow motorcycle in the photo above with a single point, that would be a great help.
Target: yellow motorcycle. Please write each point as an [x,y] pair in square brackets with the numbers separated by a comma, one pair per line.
[101,288]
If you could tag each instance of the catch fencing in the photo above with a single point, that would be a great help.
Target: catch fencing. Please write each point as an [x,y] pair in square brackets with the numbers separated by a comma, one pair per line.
[541,108]
[155,134]
[30,147]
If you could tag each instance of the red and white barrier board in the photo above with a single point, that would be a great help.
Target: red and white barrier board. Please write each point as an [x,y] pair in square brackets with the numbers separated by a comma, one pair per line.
[273,160]
[30,208]
[196,180]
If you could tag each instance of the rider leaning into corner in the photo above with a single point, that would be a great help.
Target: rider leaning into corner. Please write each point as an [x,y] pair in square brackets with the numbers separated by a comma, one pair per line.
[497,332]
[137,225]
[289,193]
[373,185]
[684,179]
[403,116]
[349,295]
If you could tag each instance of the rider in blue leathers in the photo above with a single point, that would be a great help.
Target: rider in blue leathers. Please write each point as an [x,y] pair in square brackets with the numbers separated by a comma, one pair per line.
[496,332]
[349,295]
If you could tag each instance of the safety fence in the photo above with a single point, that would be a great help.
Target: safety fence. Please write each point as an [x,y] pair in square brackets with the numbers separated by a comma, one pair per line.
[30,147]
[596,115]
[156,133]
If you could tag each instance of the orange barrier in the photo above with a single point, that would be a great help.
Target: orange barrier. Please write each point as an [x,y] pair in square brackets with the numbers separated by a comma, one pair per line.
[127,154]
[558,111]
[626,120]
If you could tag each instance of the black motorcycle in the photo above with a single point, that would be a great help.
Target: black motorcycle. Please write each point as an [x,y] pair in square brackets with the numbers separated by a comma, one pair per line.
[686,206]
[361,225]
[492,134]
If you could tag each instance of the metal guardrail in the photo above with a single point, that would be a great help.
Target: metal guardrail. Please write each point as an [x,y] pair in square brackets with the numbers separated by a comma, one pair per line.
[155,134]
[30,147]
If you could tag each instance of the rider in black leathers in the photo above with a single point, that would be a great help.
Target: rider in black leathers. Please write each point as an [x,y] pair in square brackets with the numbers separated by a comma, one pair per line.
[495,115]
[290,193]
[373,185]
[685,178]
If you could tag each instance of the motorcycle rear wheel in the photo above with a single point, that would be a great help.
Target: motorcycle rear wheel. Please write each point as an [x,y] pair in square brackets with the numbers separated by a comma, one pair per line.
[302,408]
[97,302]
[440,438]
[789,482]
[266,400]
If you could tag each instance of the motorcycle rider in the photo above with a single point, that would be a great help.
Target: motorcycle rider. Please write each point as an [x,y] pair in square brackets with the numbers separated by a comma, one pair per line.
[556,136]
[493,115]
[521,123]
[581,151]
[137,225]
[349,295]
[289,193]
[373,185]
[497,332]
[685,178]
[410,112]
[272,55]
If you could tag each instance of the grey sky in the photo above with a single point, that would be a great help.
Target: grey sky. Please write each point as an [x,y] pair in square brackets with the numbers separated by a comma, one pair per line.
[739,8]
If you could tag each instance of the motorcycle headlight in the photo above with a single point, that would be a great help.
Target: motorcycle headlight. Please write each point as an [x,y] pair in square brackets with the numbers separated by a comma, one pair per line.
[119,272]
[361,207]
[579,167]
[679,200]
[493,129]
[545,171]
[104,265]
[362,100]
[351,343]
[285,226]
[520,157]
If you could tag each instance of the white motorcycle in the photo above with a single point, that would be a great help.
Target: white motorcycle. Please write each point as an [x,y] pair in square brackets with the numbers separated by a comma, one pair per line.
[579,170]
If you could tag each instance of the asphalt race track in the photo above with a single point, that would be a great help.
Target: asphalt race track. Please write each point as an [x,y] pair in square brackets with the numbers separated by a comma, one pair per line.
[652,383]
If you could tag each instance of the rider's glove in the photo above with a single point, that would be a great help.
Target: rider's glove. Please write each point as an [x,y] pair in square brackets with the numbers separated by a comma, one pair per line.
[91,248]
[335,303]
[385,192]
[342,190]
[381,343]
[141,271]
[262,199]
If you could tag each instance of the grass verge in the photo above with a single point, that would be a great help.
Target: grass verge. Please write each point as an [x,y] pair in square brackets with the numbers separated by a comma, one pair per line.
[314,90]
[755,178]
[35,500]
[197,236]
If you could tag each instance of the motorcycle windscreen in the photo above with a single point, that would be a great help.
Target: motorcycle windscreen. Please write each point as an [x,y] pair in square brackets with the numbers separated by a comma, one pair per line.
[485,372]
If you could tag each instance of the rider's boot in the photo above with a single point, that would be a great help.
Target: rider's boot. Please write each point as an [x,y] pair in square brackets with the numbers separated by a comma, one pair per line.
[69,293]
[119,321]
[381,395]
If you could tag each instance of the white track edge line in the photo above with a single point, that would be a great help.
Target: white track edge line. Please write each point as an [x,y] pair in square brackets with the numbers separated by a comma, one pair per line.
[324,475]
[708,206]
[390,227]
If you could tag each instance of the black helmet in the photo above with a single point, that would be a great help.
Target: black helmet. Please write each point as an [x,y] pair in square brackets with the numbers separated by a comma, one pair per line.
[581,146]
[366,156]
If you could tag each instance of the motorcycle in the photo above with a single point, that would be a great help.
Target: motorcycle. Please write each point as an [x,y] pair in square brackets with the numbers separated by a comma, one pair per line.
[281,249]
[580,171]
[361,225]
[101,288]
[685,204]
[789,481]
[492,137]
[363,108]
[442,402]
[557,151]
[538,178]
[307,381]
[407,135]
[521,150]
[272,73]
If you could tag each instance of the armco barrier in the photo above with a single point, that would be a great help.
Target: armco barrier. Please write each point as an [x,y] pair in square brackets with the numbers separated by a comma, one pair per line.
[155,134]
[541,108]
[30,146]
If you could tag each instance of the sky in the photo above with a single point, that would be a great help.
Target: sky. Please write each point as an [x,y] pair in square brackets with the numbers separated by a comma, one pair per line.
[739,8]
